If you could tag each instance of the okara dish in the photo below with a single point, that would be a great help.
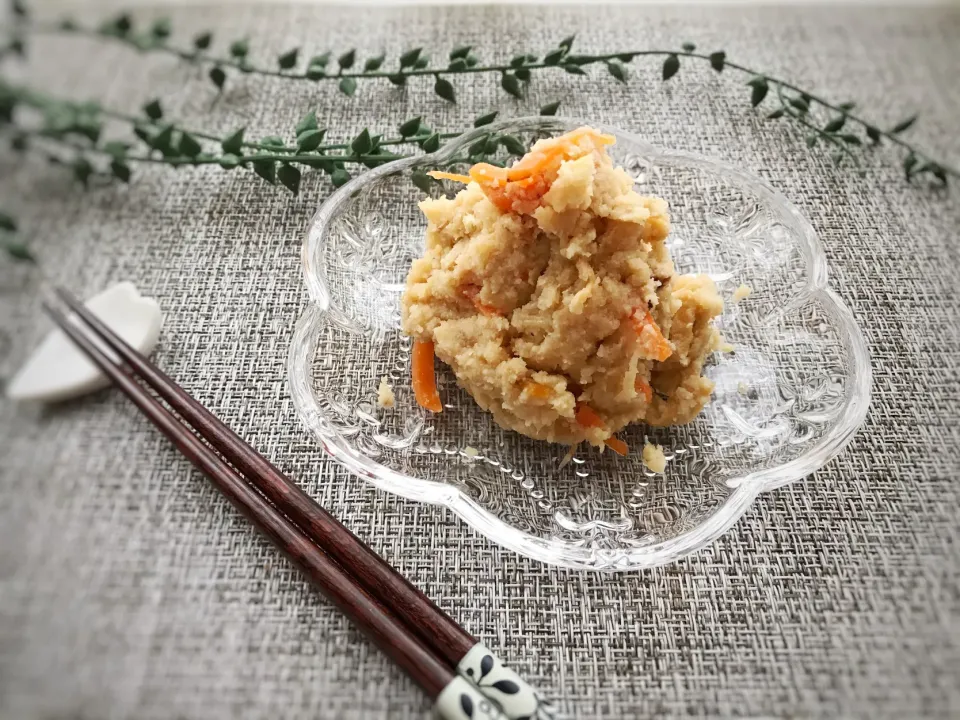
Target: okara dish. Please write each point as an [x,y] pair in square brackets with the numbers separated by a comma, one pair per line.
[549,291]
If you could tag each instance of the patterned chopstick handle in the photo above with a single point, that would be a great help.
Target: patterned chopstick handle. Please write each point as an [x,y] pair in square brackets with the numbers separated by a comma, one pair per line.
[498,688]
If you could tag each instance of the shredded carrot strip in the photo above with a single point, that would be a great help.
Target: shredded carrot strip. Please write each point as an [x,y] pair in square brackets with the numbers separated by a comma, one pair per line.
[587,417]
[424,379]
[617,445]
[538,391]
[449,176]
[653,342]
[642,386]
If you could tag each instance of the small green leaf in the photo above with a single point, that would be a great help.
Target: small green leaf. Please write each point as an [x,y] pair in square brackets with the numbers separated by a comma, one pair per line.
[510,83]
[670,66]
[229,161]
[339,177]
[718,60]
[288,59]
[7,223]
[550,108]
[490,147]
[82,170]
[321,60]
[847,106]
[120,170]
[289,177]
[688,47]
[618,71]
[939,173]
[760,90]
[567,43]
[873,134]
[513,145]
[153,110]
[908,164]
[776,114]
[800,104]
[18,251]
[835,124]
[309,140]
[348,86]
[18,143]
[409,58]
[19,8]
[522,73]
[443,88]
[518,61]
[233,143]
[479,147]
[421,62]
[189,146]
[574,69]
[121,25]
[272,141]
[461,52]
[410,127]
[432,143]
[315,72]
[162,140]
[472,60]
[458,65]
[900,127]
[203,41]
[161,29]
[554,57]
[811,140]
[851,139]
[316,68]
[267,169]
[625,57]
[485,119]
[398,79]
[362,144]
[374,63]
[308,122]
[218,76]
[239,48]
[347,60]
[422,181]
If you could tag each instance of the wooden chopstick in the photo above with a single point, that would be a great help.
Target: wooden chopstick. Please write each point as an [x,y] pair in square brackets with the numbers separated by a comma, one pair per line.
[442,636]
[398,642]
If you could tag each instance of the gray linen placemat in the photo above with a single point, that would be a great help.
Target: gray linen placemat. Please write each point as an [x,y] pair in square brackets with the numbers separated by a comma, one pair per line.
[130,589]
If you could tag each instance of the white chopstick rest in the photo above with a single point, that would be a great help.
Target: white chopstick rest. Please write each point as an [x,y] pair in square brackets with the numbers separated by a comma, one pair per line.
[57,370]
[462,700]
[499,683]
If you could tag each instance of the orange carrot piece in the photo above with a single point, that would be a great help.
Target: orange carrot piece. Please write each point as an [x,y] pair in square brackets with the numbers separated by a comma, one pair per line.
[617,445]
[587,417]
[654,343]
[424,379]
[538,391]
[642,386]
[449,176]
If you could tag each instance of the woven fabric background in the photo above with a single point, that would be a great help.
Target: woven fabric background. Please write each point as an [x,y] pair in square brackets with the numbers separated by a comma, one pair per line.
[130,589]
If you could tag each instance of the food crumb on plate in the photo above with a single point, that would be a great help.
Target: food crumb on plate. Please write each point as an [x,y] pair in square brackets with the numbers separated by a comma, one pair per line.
[743,388]
[470,451]
[385,396]
[726,347]
[741,293]
[653,457]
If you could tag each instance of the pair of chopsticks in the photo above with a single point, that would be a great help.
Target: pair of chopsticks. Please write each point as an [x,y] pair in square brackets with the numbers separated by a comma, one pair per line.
[460,674]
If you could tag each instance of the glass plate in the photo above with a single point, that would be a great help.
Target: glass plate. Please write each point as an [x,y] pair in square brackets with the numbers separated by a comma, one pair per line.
[787,400]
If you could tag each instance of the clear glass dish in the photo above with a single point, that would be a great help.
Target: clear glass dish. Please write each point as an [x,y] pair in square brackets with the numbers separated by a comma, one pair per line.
[787,400]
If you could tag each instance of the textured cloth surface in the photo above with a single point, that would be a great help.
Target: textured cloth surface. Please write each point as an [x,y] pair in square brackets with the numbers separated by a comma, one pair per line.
[130,589]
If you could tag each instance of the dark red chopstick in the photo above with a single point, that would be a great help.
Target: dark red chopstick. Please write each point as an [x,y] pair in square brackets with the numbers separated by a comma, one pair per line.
[395,639]
[450,640]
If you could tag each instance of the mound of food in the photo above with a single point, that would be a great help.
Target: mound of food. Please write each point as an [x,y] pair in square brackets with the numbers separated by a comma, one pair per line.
[549,291]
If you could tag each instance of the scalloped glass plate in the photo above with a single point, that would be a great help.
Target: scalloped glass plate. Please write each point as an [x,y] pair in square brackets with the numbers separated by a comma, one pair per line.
[787,400]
